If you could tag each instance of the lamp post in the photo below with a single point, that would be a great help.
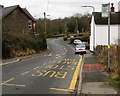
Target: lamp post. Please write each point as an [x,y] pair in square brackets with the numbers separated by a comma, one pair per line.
[93,27]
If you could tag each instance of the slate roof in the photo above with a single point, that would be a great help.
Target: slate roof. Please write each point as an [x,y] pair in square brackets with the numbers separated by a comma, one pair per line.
[99,20]
[7,10]
[28,14]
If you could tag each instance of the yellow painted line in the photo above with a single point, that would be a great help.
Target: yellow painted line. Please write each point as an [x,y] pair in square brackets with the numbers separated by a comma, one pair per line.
[74,59]
[59,89]
[25,73]
[13,85]
[44,63]
[8,81]
[36,67]
[5,83]
[75,76]
[64,62]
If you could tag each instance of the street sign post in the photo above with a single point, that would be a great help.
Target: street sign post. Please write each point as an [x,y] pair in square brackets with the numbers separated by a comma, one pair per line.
[105,10]
[106,13]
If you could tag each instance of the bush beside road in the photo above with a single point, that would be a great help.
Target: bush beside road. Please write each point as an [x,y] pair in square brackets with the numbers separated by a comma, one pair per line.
[102,55]
[14,45]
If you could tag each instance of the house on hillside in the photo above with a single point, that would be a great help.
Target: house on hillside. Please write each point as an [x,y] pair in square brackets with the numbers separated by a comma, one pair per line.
[17,20]
[100,26]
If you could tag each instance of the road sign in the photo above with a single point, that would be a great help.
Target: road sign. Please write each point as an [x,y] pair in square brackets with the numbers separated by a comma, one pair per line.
[105,10]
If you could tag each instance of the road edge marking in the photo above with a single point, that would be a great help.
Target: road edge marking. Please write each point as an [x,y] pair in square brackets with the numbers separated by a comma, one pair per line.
[75,76]
[3,64]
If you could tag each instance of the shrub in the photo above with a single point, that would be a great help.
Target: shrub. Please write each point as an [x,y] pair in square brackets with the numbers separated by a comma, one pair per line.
[21,45]
[102,54]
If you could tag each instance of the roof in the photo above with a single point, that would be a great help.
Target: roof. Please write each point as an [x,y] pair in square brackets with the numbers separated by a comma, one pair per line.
[7,10]
[28,14]
[114,19]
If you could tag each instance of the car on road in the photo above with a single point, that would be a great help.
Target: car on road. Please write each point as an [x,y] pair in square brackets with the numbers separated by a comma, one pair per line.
[76,42]
[81,48]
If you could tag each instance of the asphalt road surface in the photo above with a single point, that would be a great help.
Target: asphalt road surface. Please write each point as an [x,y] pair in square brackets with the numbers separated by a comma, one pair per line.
[47,74]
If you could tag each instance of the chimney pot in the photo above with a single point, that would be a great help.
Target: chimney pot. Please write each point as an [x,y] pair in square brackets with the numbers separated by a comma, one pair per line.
[1,6]
[112,8]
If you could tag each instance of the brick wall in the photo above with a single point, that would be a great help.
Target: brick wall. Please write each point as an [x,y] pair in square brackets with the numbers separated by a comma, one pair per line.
[16,22]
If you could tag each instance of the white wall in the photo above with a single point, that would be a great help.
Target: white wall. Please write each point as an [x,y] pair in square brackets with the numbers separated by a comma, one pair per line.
[119,5]
[91,37]
[102,34]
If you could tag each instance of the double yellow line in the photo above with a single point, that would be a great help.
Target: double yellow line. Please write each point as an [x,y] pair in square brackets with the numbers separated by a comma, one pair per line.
[75,77]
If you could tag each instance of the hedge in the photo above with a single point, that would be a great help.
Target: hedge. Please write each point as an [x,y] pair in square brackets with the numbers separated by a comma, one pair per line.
[18,45]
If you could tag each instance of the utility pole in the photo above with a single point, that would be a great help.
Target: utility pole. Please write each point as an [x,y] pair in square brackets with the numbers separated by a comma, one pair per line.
[66,28]
[45,25]
[77,31]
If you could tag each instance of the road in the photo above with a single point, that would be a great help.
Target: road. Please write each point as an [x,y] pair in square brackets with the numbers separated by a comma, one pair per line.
[47,74]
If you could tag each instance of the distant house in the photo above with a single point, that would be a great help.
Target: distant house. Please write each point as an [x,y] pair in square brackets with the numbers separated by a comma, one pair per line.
[17,20]
[100,27]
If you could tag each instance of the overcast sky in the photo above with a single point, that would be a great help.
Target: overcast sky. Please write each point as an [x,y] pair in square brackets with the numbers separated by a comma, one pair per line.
[58,8]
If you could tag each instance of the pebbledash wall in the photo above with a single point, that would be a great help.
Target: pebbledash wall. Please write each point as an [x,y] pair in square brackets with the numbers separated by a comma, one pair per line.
[119,5]
[101,34]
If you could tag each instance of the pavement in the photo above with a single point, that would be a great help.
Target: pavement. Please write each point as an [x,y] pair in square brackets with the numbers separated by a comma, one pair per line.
[94,78]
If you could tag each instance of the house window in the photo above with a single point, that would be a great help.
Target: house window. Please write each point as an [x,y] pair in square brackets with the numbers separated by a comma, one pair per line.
[30,25]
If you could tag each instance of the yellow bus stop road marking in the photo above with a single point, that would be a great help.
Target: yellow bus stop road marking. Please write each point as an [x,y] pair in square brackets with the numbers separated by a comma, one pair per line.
[5,83]
[8,80]
[13,85]
[25,72]
[73,81]
[36,67]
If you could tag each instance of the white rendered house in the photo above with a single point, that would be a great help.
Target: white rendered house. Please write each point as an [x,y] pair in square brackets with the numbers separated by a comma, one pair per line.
[99,29]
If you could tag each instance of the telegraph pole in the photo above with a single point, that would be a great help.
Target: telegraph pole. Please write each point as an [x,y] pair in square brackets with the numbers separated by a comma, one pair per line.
[45,25]
[66,28]
[77,31]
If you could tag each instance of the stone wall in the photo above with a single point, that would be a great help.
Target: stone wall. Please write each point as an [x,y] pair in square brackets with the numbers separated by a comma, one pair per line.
[16,22]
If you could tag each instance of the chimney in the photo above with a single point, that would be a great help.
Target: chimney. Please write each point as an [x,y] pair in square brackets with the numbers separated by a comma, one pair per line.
[112,8]
[1,6]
